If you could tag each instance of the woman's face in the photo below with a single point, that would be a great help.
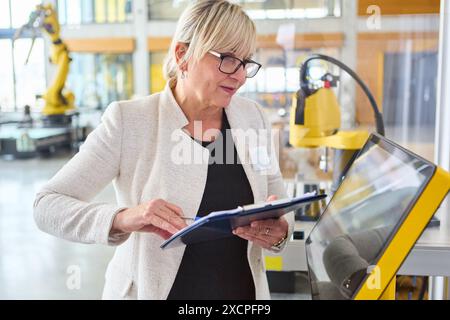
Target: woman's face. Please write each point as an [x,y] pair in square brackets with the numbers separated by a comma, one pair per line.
[210,86]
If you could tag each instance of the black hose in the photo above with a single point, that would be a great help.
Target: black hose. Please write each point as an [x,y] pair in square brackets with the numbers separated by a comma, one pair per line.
[304,86]
[423,289]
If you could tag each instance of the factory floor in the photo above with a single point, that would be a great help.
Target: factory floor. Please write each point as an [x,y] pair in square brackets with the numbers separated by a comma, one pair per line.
[35,265]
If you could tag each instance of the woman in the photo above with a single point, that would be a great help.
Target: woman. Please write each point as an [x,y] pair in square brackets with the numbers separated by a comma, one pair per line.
[137,146]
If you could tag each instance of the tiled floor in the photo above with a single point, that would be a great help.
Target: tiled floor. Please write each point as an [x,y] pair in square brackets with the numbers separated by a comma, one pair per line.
[34,265]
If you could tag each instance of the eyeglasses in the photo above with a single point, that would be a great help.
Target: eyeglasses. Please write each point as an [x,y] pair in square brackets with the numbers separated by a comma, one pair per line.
[230,64]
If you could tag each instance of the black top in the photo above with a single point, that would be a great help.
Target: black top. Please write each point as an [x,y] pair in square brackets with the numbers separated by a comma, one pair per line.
[218,269]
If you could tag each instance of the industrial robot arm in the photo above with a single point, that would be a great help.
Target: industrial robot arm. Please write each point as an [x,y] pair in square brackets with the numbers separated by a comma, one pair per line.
[44,18]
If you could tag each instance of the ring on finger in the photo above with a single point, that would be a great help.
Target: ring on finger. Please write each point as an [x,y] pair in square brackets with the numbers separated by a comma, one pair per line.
[267,231]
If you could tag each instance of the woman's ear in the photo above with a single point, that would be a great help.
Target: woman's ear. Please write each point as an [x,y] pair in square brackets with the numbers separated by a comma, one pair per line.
[180,52]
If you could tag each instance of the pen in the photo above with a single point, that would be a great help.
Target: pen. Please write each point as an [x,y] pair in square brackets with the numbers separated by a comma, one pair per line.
[188,218]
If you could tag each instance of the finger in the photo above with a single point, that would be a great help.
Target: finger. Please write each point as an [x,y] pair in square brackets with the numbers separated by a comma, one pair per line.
[273,224]
[148,228]
[174,208]
[163,234]
[272,198]
[255,240]
[155,203]
[269,242]
[170,211]
[269,239]
[277,226]
[162,215]
[272,236]
[163,224]
[171,217]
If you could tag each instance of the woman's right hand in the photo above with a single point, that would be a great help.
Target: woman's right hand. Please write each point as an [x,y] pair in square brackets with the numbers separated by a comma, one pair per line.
[156,216]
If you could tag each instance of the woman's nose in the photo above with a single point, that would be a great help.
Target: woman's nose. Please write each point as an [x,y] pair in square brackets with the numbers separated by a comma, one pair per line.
[240,75]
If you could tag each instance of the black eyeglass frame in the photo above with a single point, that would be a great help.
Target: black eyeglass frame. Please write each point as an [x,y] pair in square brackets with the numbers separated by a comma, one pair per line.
[242,63]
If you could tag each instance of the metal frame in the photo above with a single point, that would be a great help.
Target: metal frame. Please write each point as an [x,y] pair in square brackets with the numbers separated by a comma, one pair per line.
[438,286]
[442,138]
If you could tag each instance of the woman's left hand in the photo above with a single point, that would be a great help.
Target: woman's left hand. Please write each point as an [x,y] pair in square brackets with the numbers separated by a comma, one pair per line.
[265,233]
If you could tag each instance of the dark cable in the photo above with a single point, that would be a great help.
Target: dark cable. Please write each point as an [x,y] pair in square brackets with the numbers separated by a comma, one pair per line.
[423,289]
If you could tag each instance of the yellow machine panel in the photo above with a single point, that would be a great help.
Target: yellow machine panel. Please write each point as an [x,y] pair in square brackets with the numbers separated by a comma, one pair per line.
[372,222]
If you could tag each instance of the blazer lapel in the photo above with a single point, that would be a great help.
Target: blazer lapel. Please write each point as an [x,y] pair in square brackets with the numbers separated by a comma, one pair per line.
[171,115]
[184,175]
[172,119]
[240,124]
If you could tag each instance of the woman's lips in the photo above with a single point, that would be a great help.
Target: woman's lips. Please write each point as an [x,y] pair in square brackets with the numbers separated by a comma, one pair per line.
[229,90]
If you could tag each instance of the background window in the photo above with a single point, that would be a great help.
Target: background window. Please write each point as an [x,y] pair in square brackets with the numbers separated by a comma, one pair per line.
[401,71]
[87,8]
[94,11]
[256,9]
[100,11]
[157,81]
[292,9]
[99,79]
[82,80]
[30,77]
[74,7]
[6,76]
[5,21]
[20,11]
[62,12]
[114,77]
[409,99]
[410,89]
[278,79]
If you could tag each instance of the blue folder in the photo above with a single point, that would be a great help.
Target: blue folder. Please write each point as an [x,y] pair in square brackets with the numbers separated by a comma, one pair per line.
[220,224]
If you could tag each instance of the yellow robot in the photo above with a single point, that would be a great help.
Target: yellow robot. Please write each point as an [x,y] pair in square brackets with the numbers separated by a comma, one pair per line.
[57,100]
[315,119]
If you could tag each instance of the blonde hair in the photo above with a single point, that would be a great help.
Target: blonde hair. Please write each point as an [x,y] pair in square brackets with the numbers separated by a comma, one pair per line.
[211,25]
